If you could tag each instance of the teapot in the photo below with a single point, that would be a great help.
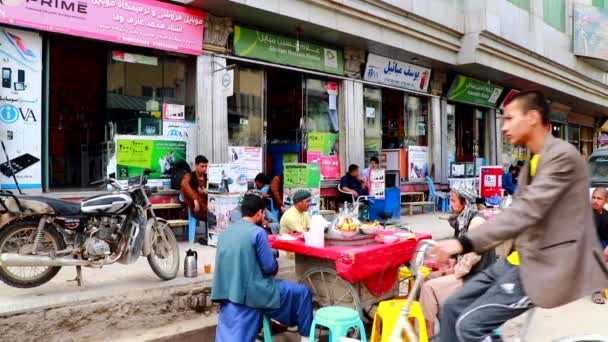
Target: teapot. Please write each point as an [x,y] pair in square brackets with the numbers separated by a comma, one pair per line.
[191,264]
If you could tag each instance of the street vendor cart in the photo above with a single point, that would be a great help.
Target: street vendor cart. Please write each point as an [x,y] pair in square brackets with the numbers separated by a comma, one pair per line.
[358,276]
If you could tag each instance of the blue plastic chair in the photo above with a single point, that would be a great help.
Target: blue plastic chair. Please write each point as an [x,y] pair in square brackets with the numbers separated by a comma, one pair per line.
[192,222]
[441,198]
[273,210]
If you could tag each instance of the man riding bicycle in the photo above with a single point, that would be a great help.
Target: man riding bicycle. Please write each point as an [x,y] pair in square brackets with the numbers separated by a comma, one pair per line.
[552,224]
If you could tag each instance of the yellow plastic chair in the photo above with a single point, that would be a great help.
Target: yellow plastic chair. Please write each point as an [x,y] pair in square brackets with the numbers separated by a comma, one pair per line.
[386,317]
[405,273]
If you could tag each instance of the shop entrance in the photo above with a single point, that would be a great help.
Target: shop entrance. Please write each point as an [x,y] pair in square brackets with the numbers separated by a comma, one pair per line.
[468,133]
[76,111]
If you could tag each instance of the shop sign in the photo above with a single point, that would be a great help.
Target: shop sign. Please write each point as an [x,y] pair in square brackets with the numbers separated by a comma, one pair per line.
[134,58]
[135,155]
[147,23]
[250,158]
[285,50]
[580,119]
[510,95]
[418,160]
[20,107]
[397,73]
[174,112]
[475,92]
[227,88]
[590,36]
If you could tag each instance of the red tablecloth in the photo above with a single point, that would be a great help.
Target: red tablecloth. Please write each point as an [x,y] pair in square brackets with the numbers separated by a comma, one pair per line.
[376,264]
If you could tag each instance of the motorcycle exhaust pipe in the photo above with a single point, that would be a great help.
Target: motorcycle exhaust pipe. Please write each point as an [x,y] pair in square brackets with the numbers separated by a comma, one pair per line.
[17,260]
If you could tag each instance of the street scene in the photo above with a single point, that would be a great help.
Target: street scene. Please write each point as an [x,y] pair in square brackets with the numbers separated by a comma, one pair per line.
[304,170]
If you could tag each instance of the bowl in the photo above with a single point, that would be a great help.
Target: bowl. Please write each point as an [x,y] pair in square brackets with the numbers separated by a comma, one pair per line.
[387,238]
[371,231]
[348,234]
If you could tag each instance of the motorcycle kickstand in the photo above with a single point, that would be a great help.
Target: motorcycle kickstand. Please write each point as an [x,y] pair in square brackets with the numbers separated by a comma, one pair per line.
[78,278]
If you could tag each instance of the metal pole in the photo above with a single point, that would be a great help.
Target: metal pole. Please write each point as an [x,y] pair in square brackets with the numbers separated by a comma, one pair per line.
[46,75]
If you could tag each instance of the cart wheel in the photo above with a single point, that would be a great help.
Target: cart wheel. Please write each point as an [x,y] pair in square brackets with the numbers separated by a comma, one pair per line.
[329,289]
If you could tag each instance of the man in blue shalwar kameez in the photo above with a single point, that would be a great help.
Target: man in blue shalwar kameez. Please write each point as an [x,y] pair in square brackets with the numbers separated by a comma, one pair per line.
[244,285]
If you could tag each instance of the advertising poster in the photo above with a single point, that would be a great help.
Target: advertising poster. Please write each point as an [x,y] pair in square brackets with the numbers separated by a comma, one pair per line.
[226,178]
[218,216]
[21,108]
[250,158]
[396,73]
[299,175]
[330,167]
[174,112]
[377,183]
[322,142]
[322,149]
[182,131]
[590,32]
[418,160]
[147,23]
[491,181]
[135,155]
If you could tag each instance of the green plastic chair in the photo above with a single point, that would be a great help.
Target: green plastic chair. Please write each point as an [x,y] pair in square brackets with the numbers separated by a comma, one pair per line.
[338,320]
[266,329]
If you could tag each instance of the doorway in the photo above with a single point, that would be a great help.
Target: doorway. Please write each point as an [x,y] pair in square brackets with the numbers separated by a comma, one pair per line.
[76,111]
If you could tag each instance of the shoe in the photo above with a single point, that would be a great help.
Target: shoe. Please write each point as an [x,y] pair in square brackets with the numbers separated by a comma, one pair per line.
[203,241]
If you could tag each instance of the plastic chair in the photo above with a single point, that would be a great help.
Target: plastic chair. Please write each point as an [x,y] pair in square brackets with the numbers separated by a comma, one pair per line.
[339,320]
[441,198]
[273,210]
[387,315]
[192,222]
[267,337]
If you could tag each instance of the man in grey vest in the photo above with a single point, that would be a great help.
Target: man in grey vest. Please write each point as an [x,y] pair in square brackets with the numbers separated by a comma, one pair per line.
[244,285]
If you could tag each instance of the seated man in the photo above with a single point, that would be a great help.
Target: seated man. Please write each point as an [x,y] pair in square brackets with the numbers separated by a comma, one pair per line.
[353,184]
[507,180]
[243,282]
[296,218]
[194,188]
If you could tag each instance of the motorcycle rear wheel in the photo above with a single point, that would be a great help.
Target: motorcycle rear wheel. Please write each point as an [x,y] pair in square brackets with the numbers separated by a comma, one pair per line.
[164,259]
[16,235]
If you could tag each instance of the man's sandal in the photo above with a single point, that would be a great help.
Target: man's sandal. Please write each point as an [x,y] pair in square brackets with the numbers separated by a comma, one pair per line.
[598,298]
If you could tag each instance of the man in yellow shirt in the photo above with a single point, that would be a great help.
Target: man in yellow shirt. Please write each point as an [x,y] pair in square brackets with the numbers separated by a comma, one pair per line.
[296,218]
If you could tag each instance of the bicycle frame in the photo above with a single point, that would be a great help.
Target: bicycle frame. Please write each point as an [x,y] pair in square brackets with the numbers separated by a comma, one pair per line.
[402,322]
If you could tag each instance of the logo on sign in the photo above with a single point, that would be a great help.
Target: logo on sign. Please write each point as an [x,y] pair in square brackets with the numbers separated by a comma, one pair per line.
[9,113]
[372,74]
[226,80]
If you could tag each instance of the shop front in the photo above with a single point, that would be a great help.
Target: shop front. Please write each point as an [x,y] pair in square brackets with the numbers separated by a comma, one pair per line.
[471,128]
[577,129]
[91,74]
[397,117]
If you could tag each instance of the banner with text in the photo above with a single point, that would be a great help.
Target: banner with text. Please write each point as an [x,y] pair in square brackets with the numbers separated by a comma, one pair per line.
[472,91]
[133,156]
[147,23]
[20,108]
[250,158]
[397,73]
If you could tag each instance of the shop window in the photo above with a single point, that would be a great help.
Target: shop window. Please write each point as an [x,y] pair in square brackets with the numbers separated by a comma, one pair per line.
[245,108]
[393,119]
[554,14]
[573,135]
[417,111]
[523,4]
[557,129]
[600,3]
[372,102]
[586,145]
[322,106]
[139,85]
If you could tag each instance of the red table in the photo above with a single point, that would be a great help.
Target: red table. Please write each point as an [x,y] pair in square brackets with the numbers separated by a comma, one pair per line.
[369,273]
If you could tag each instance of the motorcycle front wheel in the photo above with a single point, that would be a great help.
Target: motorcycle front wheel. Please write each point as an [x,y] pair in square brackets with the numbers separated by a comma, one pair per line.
[18,238]
[164,257]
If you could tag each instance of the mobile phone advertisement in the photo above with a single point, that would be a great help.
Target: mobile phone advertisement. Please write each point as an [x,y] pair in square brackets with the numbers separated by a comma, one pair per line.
[21,109]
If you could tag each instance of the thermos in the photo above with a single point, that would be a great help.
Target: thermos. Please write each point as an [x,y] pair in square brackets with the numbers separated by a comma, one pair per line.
[191,264]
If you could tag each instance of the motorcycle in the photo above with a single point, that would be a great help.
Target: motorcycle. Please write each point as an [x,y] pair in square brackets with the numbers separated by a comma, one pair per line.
[46,234]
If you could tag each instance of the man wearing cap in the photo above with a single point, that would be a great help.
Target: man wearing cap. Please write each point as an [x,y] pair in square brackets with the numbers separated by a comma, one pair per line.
[296,218]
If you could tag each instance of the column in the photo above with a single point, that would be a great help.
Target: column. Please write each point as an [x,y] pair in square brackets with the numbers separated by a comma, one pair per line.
[494,137]
[353,124]
[445,163]
[436,142]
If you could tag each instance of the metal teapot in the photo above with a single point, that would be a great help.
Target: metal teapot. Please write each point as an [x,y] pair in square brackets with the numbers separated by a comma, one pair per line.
[191,264]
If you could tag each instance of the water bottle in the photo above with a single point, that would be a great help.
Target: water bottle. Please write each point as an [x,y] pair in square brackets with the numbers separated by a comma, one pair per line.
[191,264]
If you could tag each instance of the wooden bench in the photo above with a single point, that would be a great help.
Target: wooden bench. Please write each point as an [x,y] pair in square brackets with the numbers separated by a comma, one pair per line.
[177,223]
[421,203]
[163,206]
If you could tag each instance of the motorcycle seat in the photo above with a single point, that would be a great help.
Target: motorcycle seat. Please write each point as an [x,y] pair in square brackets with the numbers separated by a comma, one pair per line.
[60,207]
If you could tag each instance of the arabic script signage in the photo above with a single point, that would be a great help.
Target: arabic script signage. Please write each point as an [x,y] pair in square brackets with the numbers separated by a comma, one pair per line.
[472,91]
[147,23]
[396,73]
[284,50]
[590,32]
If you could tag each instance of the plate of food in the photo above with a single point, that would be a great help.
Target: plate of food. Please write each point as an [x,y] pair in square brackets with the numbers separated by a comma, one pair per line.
[371,228]
[382,238]
[286,237]
[347,227]
[405,235]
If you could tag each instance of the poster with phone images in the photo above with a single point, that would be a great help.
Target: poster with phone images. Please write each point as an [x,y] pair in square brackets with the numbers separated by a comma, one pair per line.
[20,108]
[135,155]
[226,178]
[250,158]
[377,183]
[418,160]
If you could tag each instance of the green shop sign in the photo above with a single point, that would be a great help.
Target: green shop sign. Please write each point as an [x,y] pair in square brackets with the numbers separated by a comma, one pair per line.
[472,91]
[284,50]
[133,156]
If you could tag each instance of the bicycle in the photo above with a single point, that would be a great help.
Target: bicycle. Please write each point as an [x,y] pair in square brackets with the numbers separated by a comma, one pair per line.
[403,324]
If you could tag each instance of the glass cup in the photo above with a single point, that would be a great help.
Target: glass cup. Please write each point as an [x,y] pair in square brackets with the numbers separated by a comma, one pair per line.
[207,268]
